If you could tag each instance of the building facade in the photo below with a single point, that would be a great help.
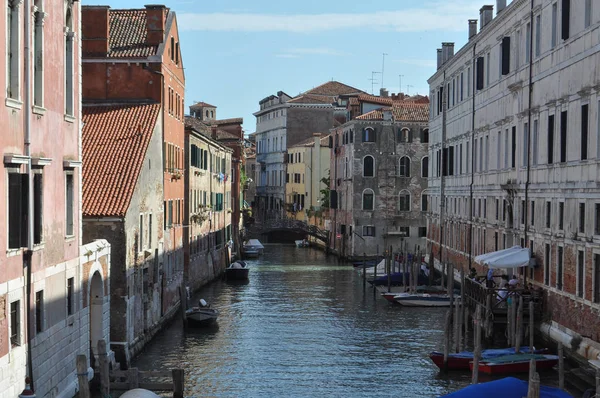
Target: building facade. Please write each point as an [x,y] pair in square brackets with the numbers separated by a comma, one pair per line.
[132,65]
[308,164]
[379,170]
[53,300]
[282,122]
[515,144]
[208,208]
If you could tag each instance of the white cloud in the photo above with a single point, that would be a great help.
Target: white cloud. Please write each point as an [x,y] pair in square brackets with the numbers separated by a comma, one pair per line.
[437,15]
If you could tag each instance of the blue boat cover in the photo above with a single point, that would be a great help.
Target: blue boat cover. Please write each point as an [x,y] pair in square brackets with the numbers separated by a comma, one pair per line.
[509,387]
[490,353]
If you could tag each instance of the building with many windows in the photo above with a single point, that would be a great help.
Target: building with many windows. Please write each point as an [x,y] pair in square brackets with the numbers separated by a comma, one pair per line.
[514,151]
[379,170]
[282,122]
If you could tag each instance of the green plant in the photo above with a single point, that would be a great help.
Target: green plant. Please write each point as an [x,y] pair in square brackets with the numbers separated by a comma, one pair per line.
[325,191]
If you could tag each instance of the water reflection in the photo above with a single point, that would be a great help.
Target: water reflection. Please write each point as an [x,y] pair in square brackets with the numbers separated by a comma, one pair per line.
[304,327]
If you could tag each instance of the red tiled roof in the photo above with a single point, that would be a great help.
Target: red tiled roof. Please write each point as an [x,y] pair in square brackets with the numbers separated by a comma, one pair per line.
[236,120]
[201,105]
[226,135]
[115,139]
[333,88]
[410,111]
[312,99]
[127,34]
[198,125]
[354,101]
[419,99]
[374,99]
[377,114]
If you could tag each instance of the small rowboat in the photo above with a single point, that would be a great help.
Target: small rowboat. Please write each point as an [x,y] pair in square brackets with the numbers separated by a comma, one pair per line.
[424,300]
[461,360]
[516,363]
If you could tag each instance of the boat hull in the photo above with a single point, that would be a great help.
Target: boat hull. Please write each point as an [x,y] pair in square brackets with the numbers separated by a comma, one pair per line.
[201,317]
[492,368]
[416,300]
[462,361]
[301,243]
[237,274]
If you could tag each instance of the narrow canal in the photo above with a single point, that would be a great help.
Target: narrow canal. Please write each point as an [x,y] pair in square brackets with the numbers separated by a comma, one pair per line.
[304,327]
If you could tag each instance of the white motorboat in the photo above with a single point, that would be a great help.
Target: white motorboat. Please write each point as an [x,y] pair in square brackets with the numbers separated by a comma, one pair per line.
[252,248]
[202,315]
[424,300]
[301,243]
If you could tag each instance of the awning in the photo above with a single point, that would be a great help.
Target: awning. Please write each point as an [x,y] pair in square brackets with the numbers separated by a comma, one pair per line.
[515,257]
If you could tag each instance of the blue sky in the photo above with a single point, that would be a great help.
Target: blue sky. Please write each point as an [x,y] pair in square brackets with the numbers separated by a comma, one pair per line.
[236,52]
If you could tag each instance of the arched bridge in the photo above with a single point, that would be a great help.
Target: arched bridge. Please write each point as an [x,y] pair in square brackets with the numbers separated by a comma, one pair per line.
[286,224]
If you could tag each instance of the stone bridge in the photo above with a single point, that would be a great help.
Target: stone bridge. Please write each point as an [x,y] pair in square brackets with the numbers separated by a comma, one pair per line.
[286,224]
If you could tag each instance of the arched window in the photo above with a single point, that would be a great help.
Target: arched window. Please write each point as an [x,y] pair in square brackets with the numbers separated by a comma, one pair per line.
[368,135]
[425,167]
[212,114]
[424,136]
[404,135]
[424,202]
[368,166]
[346,169]
[368,199]
[207,114]
[404,201]
[404,170]
[69,70]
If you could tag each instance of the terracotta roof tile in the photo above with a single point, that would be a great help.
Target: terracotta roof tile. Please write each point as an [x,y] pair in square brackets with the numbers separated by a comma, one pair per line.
[198,125]
[201,105]
[312,99]
[377,114]
[410,111]
[115,139]
[236,120]
[374,99]
[333,88]
[127,35]
[226,135]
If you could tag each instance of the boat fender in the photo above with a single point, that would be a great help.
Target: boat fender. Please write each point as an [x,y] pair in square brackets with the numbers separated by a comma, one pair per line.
[203,303]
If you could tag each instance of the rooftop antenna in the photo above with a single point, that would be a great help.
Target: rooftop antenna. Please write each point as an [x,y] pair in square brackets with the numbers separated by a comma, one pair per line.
[408,86]
[400,78]
[382,68]
[373,81]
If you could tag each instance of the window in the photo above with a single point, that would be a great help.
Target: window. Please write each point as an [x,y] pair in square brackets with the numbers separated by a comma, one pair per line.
[39,311]
[587,21]
[525,144]
[479,73]
[554,25]
[368,230]
[422,232]
[517,49]
[177,53]
[141,234]
[38,51]
[70,296]
[425,167]
[13,50]
[424,202]
[514,147]
[487,70]
[404,231]
[550,139]
[548,214]
[534,146]
[69,70]
[506,149]
[597,219]
[561,215]
[584,131]
[368,166]
[368,135]
[368,200]
[527,42]
[547,261]
[70,204]
[559,268]
[582,218]
[404,201]
[404,170]
[566,19]
[580,273]
[404,136]
[18,186]
[38,206]
[522,212]
[505,51]
[532,218]
[15,323]
[538,34]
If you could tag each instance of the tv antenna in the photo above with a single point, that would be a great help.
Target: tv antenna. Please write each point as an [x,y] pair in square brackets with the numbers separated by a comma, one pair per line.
[382,68]
[408,86]
[373,80]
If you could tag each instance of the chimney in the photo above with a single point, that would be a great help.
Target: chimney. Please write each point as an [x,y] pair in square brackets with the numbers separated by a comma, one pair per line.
[439,58]
[94,30]
[472,28]
[387,114]
[155,23]
[486,13]
[500,5]
[447,52]
[383,93]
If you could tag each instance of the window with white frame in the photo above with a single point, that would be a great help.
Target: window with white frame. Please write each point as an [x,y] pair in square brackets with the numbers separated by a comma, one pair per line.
[404,201]
[404,169]
[368,135]
[368,166]
[368,230]
[13,49]
[425,167]
[580,273]
[69,70]
[15,323]
[38,53]
[368,200]
[70,204]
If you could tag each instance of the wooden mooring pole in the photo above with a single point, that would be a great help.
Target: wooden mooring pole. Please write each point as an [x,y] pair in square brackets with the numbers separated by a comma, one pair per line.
[531,326]
[178,383]
[477,352]
[561,366]
[104,368]
[533,390]
[447,338]
[364,275]
[82,376]
[597,381]
[461,312]
[519,334]
[388,270]
[489,319]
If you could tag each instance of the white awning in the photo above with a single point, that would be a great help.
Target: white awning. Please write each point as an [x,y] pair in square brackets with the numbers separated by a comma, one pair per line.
[515,257]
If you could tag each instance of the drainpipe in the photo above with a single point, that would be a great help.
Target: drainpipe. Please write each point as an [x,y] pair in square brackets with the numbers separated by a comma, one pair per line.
[530,94]
[474,84]
[443,162]
[27,257]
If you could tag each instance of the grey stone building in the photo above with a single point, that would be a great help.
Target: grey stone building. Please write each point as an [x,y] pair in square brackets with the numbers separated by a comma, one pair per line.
[282,122]
[379,170]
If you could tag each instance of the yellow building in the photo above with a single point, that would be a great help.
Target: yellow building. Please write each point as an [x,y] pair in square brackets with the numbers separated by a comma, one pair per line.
[307,165]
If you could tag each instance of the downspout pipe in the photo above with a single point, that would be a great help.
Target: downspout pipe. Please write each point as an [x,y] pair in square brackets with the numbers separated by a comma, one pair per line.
[529,149]
[474,84]
[443,162]
[27,143]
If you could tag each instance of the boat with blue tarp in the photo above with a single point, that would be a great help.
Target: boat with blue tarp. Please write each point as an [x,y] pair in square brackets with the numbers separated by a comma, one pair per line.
[509,387]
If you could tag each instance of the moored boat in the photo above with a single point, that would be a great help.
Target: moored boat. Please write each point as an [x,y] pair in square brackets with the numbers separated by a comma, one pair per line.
[516,363]
[252,249]
[509,387]
[423,300]
[202,315]
[237,271]
[461,360]
[301,243]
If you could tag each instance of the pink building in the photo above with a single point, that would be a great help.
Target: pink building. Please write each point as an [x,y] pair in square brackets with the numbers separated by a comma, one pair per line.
[47,316]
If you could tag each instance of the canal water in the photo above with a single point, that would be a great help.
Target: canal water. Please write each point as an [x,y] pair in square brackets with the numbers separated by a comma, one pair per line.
[304,326]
